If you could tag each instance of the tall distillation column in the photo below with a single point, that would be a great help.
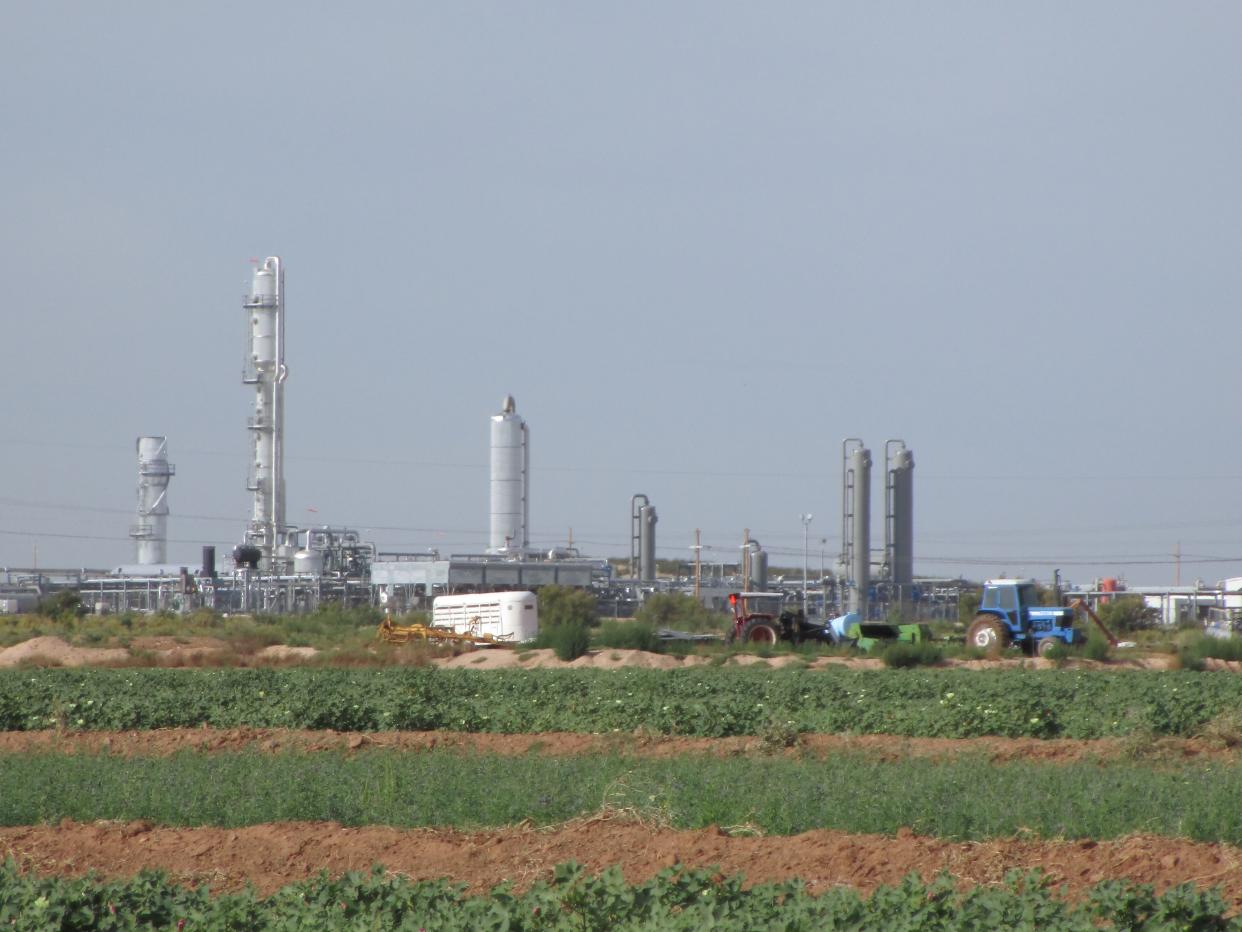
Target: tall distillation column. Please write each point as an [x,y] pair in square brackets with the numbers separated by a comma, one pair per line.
[265,369]
[856,522]
[899,520]
[150,532]
[510,477]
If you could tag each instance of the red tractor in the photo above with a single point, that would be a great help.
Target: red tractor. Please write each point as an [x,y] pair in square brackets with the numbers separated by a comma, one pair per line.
[769,624]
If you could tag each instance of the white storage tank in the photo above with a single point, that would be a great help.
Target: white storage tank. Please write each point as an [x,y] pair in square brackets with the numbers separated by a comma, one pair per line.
[510,616]
[510,475]
[308,563]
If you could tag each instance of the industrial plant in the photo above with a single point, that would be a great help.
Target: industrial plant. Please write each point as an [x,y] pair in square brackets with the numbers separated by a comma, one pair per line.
[278,567]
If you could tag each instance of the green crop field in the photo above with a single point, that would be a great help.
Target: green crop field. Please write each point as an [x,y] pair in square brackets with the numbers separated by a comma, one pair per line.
[710,702]
[674,901]
[958,798]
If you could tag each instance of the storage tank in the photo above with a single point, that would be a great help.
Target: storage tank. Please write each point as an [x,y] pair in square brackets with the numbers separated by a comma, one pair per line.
[308,563]
[510,456]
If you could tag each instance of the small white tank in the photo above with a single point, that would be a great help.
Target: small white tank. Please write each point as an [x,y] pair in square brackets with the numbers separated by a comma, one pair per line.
[308,563]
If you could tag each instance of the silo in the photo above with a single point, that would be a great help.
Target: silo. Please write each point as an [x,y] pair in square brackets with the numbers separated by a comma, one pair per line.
[150,532]
[510,469]
[856,521]
[899,518]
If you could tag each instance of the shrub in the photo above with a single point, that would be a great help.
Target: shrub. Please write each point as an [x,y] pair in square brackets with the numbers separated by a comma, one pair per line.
[629,635]
[561,605]
[570,640]
[679,610]
[907,654]
[1128,613]
[1097,647]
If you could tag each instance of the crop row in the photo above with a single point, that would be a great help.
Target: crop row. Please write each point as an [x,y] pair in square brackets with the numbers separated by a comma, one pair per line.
[958,798]
[712,702]
[673,900]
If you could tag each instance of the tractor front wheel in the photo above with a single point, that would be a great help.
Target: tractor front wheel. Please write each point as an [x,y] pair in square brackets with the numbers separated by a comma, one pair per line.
[760,631]
[987,633]
[1047,646]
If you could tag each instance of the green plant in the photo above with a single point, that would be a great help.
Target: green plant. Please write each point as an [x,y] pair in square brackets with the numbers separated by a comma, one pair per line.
[1128,614]
[910,654]
[570,639]
[681,611]
[628,635]
[562,605]
[1097,646]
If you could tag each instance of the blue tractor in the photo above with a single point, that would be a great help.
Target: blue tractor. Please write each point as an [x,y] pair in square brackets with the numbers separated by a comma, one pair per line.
[1010,614]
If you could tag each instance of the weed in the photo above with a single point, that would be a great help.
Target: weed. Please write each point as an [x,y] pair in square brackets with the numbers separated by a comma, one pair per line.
[1225,730]
[910,654]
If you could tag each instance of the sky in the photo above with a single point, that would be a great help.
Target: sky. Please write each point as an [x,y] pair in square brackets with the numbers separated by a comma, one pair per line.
[700,243]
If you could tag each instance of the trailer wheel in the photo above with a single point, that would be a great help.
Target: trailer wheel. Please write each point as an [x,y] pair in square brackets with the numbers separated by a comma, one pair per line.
[987,633]
[1046,646]
[759,631]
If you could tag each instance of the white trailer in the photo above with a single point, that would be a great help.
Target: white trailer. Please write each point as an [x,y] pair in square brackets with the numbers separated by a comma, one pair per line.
[510,616]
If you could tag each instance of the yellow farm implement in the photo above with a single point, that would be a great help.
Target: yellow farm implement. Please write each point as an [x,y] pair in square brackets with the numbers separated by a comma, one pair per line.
[404,634]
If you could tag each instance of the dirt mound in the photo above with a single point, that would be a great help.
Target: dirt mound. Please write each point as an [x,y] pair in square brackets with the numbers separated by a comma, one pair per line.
[57,652]
[270,856]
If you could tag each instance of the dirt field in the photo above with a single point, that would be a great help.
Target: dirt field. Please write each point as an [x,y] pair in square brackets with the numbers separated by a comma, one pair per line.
[270,856]
[166,741]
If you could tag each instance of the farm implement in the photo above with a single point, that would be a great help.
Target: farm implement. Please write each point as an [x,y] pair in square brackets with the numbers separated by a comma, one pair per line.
[770,624]
[404,634]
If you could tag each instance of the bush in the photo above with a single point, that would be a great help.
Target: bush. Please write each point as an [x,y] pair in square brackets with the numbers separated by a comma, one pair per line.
[629,635]
[561,605]
[908,654]
[1097,647]
[1197,648]
[1128,613]
[570,639]
[679,610]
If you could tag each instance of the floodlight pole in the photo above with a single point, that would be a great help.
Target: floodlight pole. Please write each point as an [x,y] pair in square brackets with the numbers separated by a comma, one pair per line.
[806,524]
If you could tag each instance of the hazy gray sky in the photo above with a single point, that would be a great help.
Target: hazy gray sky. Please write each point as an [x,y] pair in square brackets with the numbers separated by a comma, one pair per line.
[700,243]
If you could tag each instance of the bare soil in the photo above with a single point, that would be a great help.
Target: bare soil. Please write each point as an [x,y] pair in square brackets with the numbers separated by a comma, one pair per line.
[168,741]
[270,856]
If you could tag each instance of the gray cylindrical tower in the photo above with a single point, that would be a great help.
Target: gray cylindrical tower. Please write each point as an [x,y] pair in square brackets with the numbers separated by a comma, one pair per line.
[647,543]
[856,522]
[899,519]
[150,531]
[510,473]
[758,581]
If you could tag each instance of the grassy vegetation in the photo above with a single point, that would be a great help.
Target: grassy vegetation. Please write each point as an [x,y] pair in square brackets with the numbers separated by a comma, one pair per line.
[330,627]
[960,798]
[704,701]
[676,899]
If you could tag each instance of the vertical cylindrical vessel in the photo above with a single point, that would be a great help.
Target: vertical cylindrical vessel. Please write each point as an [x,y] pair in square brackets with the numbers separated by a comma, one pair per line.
[265,369]
[901,519]
[758,581]
[510,473]
[150,531]
[860,543]
[647,543]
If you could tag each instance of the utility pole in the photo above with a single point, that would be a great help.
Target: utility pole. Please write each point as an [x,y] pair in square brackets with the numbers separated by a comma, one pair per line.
[806,524]
[1177,557]
[698,564]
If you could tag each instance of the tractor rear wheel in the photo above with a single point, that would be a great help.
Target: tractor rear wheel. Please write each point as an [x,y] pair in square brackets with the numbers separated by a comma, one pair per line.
[987,633]
[760,631]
